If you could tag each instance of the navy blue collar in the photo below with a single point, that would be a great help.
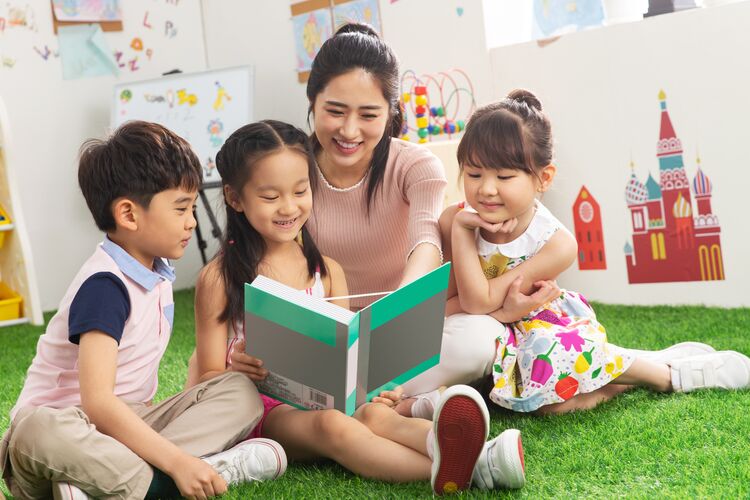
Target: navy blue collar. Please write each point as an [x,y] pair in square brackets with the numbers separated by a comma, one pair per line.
[136,271]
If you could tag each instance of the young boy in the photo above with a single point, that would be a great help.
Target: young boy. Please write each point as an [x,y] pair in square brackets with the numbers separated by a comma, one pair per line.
[84,420]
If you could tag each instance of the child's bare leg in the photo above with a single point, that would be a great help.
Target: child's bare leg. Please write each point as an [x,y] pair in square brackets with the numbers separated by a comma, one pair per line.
[584,401]
[645,373]
[387,423]
[307,435]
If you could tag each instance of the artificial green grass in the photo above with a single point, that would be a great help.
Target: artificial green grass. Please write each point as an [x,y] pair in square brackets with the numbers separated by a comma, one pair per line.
[639,445]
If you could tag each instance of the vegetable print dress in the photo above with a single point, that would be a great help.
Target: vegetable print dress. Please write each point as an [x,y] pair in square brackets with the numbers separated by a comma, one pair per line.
[558,350]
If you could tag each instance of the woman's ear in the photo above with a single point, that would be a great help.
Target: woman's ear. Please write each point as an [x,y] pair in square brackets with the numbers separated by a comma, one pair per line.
[546,176]
[232,198]
[126,213]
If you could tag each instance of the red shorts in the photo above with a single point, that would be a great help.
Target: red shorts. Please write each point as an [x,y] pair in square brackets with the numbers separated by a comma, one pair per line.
[268,405]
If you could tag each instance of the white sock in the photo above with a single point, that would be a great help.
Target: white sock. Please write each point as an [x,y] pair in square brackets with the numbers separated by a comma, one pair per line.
[424,405]
[430,441]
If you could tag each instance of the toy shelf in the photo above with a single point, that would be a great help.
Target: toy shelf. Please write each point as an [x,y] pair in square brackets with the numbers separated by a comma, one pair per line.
[19,295]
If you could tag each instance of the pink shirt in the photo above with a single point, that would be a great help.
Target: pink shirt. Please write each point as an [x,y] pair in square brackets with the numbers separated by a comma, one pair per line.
[373,249]
[52,378]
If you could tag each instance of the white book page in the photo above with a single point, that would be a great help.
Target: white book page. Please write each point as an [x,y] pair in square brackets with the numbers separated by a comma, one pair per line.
[300,298]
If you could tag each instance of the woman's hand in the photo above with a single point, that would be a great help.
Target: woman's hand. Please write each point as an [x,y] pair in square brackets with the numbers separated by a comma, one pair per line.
[243,363]
[468,219]
[517,305]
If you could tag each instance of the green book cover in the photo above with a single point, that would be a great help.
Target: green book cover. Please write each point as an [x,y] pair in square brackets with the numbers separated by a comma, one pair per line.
[320,355]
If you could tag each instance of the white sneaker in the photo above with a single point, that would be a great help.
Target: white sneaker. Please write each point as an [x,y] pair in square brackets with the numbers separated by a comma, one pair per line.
[460,428]
[673,352]
[501,464]
[252,460]
[722,369]
[67,491]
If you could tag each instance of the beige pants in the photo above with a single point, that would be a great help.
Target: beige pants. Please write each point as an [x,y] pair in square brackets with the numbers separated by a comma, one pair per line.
[45,445]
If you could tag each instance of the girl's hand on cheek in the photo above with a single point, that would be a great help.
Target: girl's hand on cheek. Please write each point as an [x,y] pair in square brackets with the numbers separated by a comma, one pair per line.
[243,363]
[471,220]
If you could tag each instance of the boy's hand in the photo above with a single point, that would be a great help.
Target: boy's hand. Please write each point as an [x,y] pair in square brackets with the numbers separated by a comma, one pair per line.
[390,398]
[196,479]
[468,219]
[243,363]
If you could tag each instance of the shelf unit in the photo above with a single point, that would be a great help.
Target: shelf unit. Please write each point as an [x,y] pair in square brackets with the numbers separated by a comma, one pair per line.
[16,261]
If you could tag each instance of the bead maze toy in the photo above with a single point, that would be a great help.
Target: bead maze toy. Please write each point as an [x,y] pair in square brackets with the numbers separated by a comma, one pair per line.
[436,105]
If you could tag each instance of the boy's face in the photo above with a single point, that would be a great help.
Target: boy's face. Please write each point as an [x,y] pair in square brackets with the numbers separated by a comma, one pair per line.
[165,227]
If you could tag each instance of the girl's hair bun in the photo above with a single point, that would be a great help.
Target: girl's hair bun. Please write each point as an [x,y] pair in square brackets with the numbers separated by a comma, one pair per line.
[363,28]
[526,97]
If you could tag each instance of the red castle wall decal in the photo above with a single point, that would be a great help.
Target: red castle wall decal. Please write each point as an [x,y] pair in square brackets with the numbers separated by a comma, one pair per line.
[670,241]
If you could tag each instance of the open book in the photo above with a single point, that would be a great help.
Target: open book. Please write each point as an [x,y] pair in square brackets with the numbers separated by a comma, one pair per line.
[320,355]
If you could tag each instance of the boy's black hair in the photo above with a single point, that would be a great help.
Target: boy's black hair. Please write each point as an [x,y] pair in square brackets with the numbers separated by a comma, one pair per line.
[139,160]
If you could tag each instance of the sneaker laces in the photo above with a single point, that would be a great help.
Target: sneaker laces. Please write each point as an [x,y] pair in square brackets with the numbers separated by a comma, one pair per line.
[236,470]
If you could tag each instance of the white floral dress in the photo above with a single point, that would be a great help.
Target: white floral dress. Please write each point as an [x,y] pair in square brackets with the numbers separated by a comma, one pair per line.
[558,350]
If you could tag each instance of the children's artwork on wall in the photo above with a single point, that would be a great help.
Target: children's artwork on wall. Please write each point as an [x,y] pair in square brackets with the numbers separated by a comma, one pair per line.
[315,21]
[555,17]
[87,10]
[436,105]
[360,11]
[587,221]
[84,52]
[670,241]
[204,108]
[311,29]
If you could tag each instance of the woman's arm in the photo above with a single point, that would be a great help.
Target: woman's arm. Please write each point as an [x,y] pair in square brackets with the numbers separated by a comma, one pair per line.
[336,282]
[481,296]
[422,180]
[211,334]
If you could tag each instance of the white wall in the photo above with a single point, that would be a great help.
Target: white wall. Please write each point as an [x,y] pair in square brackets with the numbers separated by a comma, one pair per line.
[50,118]
[600,89]
[260,33]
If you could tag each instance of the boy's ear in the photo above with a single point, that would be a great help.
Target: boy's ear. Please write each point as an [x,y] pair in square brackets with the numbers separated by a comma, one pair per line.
[546,176]
[125,213]
[233,199]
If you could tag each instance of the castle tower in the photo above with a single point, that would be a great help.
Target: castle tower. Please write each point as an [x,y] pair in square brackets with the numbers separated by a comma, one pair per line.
[672,178]
[587,219]
[702,188]
[654,203]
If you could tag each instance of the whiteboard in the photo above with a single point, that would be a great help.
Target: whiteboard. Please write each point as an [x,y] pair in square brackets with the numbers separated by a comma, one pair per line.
[204,108]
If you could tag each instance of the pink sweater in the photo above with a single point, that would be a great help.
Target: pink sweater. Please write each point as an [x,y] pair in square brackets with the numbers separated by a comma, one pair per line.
[373,250]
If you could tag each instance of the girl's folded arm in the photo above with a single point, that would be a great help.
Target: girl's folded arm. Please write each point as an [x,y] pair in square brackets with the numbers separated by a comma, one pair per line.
[554,257]
[481,296]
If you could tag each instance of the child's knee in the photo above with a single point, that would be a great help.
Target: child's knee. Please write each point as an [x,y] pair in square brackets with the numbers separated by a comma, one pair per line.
[246,401]
[371,414]
[333,427]
[40,421]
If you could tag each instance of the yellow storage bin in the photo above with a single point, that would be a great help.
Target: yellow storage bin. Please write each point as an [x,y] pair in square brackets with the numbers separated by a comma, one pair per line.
[10,303]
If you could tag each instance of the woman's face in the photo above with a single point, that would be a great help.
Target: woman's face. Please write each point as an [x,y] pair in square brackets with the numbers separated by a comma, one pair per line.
[350,116]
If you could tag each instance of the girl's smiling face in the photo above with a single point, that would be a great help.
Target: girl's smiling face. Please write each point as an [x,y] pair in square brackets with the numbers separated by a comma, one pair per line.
[276,199]
[500,194]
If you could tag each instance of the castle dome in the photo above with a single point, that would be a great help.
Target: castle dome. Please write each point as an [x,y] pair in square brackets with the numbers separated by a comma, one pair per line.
[635,192]
[701,183]
[681,208]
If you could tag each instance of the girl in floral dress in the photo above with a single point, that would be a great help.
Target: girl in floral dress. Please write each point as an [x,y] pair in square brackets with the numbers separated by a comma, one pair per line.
[556,357]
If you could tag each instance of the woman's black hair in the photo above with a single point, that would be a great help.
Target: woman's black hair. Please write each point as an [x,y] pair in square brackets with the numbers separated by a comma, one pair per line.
[358,46]
[242,247]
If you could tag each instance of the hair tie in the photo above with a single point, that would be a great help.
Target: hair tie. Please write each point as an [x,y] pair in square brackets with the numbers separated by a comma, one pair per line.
[231,242]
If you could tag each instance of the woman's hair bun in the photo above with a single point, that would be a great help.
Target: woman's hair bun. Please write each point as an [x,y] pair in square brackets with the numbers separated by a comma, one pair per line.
[363,28]
[526,97]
